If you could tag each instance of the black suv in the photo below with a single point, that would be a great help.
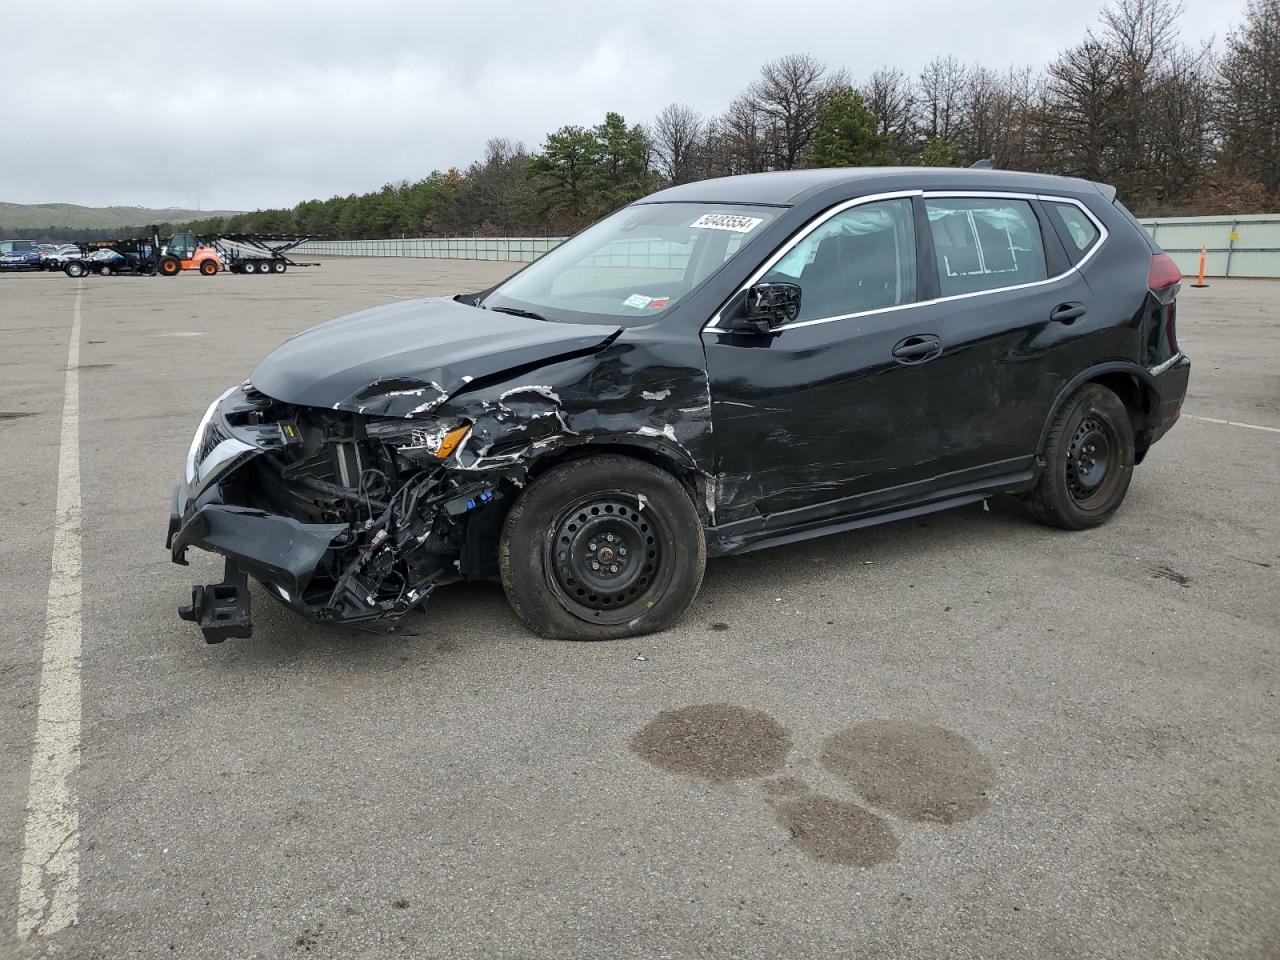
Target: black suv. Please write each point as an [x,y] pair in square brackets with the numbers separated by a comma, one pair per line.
[723,366]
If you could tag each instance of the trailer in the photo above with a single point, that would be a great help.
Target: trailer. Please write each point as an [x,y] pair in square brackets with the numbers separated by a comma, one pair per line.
[108,258]
[260,252]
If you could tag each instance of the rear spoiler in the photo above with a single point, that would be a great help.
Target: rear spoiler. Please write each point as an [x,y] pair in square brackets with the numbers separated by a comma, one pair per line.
[1107,190]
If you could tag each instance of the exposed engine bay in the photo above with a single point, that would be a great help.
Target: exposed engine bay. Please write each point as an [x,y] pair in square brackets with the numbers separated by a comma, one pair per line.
[369,521]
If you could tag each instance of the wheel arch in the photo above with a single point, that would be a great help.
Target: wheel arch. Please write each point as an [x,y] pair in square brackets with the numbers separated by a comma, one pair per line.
[655,451]
[479,557]
[1131,382]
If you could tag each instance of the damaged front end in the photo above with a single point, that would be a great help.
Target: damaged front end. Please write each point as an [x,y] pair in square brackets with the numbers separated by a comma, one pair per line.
[345,518]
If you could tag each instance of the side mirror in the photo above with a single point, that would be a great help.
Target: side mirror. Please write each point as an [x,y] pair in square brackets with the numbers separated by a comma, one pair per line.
[770,305]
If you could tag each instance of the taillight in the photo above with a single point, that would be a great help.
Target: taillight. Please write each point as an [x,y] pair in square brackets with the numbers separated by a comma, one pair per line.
[1163,272]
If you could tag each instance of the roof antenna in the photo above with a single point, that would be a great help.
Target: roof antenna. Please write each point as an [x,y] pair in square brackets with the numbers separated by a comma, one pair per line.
[985,164]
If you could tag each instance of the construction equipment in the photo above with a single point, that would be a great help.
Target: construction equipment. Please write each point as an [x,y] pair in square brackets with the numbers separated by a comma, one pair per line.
[259,252]
[186,251]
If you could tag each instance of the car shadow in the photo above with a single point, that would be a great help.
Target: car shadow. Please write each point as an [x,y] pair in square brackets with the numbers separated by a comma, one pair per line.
[464,620]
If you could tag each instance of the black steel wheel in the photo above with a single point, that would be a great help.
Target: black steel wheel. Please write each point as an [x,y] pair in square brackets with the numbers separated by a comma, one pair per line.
[1088,461]
[605,560]
[602,547]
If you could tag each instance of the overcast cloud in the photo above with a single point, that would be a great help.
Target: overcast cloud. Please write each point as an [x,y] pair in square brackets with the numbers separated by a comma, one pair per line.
[266,104]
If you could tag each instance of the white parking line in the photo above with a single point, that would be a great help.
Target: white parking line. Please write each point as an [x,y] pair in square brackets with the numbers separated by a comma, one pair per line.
[1232,423]
[48,891]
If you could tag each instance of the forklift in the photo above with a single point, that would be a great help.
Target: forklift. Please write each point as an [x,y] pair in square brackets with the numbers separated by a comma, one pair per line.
[186,251]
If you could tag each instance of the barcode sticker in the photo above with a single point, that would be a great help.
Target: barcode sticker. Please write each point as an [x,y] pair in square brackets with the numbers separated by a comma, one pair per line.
[727,221]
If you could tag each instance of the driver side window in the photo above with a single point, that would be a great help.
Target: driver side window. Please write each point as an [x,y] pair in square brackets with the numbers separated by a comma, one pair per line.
[863,258]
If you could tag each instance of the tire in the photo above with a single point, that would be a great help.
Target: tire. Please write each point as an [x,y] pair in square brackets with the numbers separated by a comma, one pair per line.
[250,267]
[208,266]
[1088,461]
[650,550]
[104,271]
[74,269]
[170,266]
[278,266]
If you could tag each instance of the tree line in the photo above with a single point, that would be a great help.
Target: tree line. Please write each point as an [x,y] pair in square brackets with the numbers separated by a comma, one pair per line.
[1177,129]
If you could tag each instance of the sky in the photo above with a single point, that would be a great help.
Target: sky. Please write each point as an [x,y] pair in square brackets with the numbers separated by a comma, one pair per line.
[246,105]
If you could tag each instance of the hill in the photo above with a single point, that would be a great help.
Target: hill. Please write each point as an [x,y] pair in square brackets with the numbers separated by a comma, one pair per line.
[16,217]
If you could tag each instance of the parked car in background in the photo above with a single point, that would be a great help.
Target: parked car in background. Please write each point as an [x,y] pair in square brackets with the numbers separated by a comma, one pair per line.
[720,367]
[20,255]
[58,255]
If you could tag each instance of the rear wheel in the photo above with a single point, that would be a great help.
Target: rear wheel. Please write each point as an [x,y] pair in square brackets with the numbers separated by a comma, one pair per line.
[278,266]
[170,266]
[1088,461]
[208,267]
[250,266]
[104,271]
[601,548]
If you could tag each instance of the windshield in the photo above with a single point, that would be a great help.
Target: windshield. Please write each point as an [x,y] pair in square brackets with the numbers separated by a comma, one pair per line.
[634,264]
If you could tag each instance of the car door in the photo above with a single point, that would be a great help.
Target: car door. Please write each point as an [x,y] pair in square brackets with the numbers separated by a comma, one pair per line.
[847,399]
[1013,314]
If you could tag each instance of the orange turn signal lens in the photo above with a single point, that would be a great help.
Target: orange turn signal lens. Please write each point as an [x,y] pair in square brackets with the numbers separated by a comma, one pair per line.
[451,441]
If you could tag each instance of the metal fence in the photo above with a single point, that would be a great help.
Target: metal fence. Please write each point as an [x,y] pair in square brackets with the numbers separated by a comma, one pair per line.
[440,248]
[1244,246]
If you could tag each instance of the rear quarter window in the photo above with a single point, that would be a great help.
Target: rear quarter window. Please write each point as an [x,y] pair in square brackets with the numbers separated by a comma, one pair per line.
[1078,232]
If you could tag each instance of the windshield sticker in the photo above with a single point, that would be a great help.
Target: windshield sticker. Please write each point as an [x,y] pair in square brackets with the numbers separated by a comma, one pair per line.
[659,303]
[727,221]
[637,300]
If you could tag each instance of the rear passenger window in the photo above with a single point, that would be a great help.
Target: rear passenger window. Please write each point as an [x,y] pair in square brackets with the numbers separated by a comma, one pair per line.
[985,244]
[1079,232]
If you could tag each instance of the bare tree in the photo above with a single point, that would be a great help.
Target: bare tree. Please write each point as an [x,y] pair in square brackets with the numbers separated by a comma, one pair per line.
[889,95]
[940,92]
[1248,96]
[677,135]
[790,93]
[1078,111]
[739,141]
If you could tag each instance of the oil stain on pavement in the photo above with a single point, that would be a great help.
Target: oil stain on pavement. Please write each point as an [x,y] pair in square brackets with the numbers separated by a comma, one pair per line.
[916,771]
[836,831]
[719,742]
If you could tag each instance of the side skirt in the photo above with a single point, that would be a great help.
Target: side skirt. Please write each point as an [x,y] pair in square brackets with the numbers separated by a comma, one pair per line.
[733,538]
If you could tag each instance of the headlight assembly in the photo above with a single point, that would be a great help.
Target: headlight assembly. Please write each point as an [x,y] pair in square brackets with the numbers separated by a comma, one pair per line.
[421,440]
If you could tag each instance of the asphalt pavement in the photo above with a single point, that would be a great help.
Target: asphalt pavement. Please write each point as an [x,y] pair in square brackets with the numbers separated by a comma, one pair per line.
[965,735]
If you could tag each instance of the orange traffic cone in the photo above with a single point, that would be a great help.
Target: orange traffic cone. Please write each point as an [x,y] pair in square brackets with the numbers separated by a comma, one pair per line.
[1204,252]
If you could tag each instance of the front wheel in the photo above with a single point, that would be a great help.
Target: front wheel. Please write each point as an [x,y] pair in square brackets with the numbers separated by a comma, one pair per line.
[601,548]
[1088,461]
[170,266]
[75,268]
[208,266]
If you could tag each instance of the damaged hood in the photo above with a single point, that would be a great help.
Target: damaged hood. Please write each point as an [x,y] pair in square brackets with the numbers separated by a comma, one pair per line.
[405,359]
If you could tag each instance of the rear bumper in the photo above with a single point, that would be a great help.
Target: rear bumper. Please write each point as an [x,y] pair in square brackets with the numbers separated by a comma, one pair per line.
[1171,379]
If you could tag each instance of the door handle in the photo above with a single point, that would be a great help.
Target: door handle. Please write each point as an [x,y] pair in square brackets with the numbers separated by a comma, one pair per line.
[917,348]
[1067,312]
